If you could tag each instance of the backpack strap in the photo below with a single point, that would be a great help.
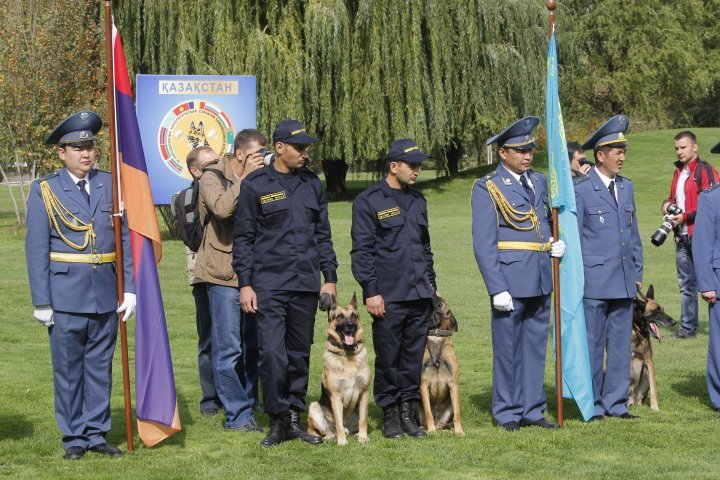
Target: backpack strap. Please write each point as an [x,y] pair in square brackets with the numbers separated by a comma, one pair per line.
[703,165]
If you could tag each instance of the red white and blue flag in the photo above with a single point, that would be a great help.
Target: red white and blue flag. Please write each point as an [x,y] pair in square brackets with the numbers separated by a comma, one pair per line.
[155,399]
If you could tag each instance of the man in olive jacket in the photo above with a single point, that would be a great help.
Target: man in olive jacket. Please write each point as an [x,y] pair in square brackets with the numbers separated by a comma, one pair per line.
[234,340]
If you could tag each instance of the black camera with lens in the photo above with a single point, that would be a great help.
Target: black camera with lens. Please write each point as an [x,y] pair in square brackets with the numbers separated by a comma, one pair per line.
[267,155]
[658,238]
[585,161]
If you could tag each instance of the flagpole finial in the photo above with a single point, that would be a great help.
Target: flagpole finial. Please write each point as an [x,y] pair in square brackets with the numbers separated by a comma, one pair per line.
[551,4]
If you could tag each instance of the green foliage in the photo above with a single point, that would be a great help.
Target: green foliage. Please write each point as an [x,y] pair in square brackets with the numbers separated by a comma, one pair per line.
[646,59]
[38,86]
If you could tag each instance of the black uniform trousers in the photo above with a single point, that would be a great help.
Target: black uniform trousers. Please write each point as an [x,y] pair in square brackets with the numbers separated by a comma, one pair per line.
[285,327]
[399,340]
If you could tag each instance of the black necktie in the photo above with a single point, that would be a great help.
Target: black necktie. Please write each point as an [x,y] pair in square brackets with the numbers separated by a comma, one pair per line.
[528,189]
[81,186]
[611,187]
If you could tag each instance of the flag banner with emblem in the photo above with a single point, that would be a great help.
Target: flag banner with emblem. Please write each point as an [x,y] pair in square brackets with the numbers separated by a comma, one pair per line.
[155,398]
[576,373]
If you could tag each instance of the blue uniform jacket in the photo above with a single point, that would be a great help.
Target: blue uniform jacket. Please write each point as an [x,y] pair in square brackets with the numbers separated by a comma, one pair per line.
[391,253]
[609,238]
[75,287]
[282,239]
[523,273]
[706,240]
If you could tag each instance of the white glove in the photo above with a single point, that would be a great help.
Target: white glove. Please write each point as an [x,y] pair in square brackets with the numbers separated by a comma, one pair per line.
[128,306]
[503,302]
[557,249]
[44,315]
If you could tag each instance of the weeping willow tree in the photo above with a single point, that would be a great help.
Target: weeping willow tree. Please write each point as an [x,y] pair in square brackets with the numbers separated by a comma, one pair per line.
[359,73]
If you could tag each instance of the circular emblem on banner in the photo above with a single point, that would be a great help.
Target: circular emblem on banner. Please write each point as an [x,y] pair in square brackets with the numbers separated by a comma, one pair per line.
[191,124]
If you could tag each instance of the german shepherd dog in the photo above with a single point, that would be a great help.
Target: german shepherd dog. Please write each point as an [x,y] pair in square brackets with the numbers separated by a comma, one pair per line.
[343,406]
[196,135]
[647,315]
[439,385]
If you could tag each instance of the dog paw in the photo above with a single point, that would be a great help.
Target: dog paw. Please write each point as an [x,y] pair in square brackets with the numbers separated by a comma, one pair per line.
[459,432]
[362,439]
[342,441]
[431,428]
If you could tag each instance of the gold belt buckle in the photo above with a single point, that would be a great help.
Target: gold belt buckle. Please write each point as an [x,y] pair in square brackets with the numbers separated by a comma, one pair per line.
[543,247]
[95,258]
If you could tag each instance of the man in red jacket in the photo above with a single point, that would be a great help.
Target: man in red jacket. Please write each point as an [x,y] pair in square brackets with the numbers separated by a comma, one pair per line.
[692,176]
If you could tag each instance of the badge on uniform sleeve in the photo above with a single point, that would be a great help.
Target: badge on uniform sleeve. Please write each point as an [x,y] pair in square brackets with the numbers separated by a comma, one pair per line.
[272,197]
[390,212]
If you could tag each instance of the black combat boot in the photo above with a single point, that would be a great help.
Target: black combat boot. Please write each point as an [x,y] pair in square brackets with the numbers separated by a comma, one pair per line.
[277,430]
[408,422]
[391,422]
[294,430]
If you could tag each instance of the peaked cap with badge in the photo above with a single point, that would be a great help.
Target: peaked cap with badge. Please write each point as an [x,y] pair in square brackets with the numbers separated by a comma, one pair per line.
[610,133]
[518,135]
[77,130]
[292,131]
[405,150]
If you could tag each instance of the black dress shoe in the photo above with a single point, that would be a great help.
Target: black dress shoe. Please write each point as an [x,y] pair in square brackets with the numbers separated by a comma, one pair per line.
[107,449]
[511,426]
[627,416]
[542,423]
[391,422]
[595,418]
[74,453]
[294,430]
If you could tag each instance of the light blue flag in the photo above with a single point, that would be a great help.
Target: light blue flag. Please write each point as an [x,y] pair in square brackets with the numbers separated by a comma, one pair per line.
[577,377]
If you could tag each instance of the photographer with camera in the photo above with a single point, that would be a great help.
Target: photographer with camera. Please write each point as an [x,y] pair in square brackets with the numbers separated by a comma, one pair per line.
[234,336]
[692,176]
[579,164]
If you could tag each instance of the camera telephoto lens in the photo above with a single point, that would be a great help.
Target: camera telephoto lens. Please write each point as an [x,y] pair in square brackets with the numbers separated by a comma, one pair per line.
[661,233]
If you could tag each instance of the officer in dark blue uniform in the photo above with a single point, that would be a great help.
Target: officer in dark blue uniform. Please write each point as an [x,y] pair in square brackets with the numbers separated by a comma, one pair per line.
[613,264]
[282,243]
[511,237]
[706,252]
[70,251]
[393,263]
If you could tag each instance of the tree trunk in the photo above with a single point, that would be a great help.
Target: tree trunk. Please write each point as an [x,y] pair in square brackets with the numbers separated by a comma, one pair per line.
[20,220]
[453,154]
[335,172]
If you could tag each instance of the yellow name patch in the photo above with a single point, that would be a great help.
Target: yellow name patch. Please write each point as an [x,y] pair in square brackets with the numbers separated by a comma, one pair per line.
[272,197]
[390,212]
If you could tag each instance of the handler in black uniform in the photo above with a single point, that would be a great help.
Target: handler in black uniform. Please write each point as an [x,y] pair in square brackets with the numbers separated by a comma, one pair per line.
[393,263]
[282,242]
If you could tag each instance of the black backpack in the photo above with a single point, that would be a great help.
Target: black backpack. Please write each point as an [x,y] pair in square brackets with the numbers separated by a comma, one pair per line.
[185,207]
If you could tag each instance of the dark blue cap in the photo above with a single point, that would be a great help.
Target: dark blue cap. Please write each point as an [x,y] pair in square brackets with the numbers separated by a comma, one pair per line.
[78,129]
[611,133]
[518,135]
[292,131]
[405,150]
[715,149]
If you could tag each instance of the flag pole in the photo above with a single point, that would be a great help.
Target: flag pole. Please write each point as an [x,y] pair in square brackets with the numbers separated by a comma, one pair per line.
[119,264]
[551,5]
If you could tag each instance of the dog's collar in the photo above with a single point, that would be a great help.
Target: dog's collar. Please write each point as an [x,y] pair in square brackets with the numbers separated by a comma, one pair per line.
[439,332]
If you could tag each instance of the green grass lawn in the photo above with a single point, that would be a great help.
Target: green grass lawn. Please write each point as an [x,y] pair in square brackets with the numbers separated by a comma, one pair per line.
[678,442]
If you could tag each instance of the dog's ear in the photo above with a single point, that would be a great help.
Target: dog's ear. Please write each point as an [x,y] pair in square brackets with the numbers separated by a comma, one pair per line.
[353,302]
[650,293]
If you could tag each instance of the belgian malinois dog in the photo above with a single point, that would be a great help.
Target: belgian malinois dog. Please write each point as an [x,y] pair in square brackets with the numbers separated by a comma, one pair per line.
[343,406]
[647,316]
[439,385]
